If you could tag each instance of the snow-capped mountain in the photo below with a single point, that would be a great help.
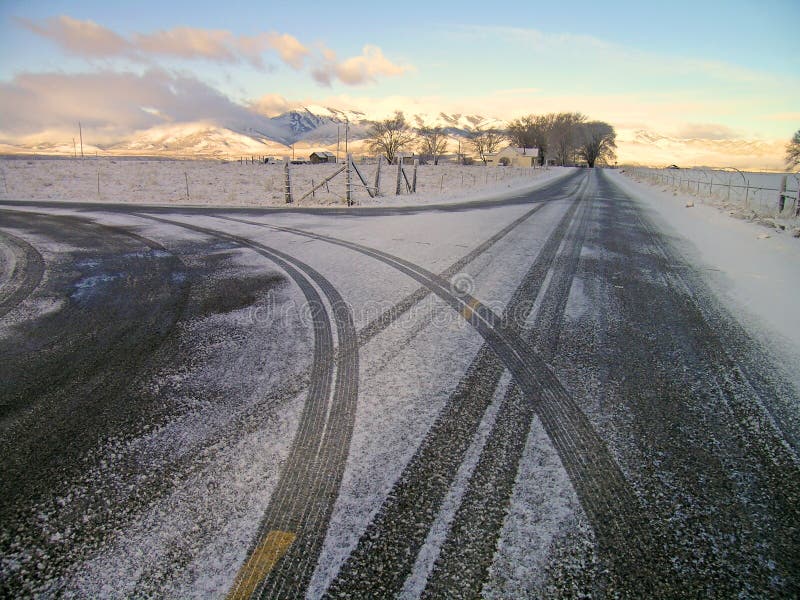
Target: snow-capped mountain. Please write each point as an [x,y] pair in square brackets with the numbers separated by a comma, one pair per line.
[190,139]
[323,125]
[313,127]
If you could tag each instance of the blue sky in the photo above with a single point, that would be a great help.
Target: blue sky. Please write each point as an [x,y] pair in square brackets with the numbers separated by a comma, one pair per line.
[711,71]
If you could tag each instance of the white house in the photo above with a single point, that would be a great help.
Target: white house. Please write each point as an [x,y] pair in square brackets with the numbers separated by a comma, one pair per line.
[515,157]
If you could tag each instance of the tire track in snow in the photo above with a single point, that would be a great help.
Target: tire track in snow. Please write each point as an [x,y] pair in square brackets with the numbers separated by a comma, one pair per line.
[24,277]
[608,499]
[467,553]
[387,550]
[400,308]
[390,315]
[283,556]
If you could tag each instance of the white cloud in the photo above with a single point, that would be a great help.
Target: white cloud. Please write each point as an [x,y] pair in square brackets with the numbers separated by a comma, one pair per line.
[272,105]
[84,38]
[113,104]
[189,42]
[357,70]
[88,39]
[291,51]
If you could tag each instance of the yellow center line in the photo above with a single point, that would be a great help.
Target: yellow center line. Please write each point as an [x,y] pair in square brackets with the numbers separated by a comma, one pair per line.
[469,308]
[260,563]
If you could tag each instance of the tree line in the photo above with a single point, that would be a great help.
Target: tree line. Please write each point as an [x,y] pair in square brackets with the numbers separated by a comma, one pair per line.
[561,138]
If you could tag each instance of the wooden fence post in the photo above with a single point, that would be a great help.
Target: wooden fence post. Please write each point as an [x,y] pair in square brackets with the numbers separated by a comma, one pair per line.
[797,203]
[414,177]
[399,174]
[782,195]
[288,187]
[377,185]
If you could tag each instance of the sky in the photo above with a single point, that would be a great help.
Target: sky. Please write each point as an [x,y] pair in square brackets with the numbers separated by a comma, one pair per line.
[713,83]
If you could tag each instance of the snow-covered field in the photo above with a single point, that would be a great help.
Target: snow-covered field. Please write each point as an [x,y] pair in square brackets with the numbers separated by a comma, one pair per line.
[247,184]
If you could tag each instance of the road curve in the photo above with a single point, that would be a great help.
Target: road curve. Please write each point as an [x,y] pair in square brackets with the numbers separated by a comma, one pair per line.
[283,556]
[25,274]
[65,375]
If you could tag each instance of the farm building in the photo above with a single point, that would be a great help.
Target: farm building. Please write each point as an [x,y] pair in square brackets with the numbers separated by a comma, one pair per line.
[515,157]
[322,157]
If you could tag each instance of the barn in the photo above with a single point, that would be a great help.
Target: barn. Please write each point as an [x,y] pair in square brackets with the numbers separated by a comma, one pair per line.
[322,157]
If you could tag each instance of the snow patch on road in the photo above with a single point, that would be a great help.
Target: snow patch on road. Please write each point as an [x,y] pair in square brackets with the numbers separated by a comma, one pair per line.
[544,504]
[405,380]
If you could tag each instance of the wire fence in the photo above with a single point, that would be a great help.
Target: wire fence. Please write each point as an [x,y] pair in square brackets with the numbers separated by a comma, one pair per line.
[247,183]
[772,195]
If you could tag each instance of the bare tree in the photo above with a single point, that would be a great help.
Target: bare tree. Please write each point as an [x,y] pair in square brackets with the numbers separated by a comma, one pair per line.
[563,136]
[597,143]
[485,141]
[433,141]
[793,151]
[531,132]
[389,136]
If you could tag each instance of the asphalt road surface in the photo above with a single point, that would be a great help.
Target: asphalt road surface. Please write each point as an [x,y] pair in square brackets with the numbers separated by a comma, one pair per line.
[356,403]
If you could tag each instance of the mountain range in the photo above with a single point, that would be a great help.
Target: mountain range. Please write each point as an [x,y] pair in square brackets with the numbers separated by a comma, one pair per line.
[306,129]
[301,131]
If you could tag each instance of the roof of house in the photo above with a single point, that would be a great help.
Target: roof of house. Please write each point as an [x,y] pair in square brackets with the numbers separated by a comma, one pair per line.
[323,153]
[524,151]
[515,150]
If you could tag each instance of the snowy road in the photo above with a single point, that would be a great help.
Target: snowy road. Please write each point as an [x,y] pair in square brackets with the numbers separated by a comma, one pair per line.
[532,397]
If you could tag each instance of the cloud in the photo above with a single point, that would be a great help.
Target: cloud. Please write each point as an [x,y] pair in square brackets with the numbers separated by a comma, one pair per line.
[189,42]
[274,104]
[357,70]
[88,39]
[291,51]
[84,38]
[113,104]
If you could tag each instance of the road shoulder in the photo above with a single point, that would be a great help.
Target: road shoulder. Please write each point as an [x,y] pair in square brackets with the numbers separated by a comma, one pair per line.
[753,270]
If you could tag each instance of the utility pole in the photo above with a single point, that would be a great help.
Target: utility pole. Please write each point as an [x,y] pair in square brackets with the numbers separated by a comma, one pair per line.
[80,132]
[346,133]
[338,136]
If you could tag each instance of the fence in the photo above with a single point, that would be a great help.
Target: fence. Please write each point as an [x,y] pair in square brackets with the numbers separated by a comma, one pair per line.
[764,194]
[143,180]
